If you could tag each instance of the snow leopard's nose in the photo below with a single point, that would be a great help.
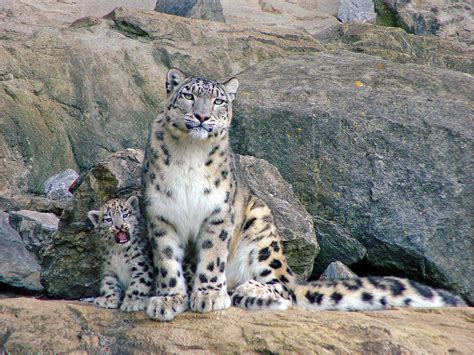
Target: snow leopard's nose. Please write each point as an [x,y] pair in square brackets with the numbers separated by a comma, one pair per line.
[201,117]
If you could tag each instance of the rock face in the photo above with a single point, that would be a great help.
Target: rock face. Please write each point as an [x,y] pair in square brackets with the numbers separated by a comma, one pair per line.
[36,229]
[18,268]
[200,9]
[293,222]
[29,325]
[381,149]
[356,11]
[72,262]
[311,16]
[78,93]
[447,19]
[394,44]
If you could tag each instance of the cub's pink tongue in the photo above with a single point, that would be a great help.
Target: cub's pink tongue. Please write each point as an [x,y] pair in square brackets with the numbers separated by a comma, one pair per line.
[121,237]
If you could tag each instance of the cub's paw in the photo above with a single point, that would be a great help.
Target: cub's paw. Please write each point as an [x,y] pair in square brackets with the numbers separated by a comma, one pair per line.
[165,308]
[209,300]
[107,302]
[133,304]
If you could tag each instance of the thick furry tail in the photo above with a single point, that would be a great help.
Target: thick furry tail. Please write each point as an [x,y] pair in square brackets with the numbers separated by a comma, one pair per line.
[371,293]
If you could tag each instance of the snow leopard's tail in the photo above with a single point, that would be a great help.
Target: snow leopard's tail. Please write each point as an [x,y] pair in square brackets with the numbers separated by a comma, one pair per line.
[371,293]
[358,294]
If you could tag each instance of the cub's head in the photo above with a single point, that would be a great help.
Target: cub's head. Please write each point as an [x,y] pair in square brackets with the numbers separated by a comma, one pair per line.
[116,219]
[199,107]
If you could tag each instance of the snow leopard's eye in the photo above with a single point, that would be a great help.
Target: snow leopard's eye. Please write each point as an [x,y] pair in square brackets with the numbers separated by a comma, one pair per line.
[188,97]
[107,219]
[125,215]
[218,102]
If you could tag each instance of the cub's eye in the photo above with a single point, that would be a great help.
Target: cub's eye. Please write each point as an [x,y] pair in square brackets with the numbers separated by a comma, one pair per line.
[125,215]
[188,96]
[107,219]
[218,102]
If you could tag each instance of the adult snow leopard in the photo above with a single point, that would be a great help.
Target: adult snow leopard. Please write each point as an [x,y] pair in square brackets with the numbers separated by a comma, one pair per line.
[200,213]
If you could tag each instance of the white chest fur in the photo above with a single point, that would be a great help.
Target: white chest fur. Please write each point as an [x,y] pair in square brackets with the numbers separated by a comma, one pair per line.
[121,269]
[182,199]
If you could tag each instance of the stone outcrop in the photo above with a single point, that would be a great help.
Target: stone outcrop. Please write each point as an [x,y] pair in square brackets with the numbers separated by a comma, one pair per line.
[31,326]
[18,268]
[72,95]
[72,261]
[395,45]
[451,20]
[36,230]
[310,16]
[380,148]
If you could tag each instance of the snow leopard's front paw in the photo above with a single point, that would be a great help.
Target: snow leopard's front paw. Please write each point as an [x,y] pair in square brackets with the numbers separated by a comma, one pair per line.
[165,308]
[107,302]
[209,300]
[133,304]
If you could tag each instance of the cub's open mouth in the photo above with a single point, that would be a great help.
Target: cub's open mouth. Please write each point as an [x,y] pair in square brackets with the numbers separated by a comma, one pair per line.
[121,237]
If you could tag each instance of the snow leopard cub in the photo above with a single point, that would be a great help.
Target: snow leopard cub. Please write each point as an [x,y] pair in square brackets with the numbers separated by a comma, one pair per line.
[127,272]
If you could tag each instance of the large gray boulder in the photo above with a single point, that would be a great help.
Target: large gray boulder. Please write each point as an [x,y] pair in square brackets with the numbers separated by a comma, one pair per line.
[18,268]
[382,149]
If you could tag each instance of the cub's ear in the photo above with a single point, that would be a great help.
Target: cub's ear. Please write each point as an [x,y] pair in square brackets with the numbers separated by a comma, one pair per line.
[173,78]
[134,203]
[232,85]
[94,217]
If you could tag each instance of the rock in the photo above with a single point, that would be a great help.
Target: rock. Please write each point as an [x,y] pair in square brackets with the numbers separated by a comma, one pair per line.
[34,203]
[18,268]
[72,262]
[310,16]
[380,148]
[200,9]
[337,271]
[36,230]
[449,20]
[356,11]
[336,244]
[291,218]
[82,93]
[30,325]
[394,44]
[57,186]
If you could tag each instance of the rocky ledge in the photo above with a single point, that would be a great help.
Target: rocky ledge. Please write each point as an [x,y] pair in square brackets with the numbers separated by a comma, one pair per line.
[27,325]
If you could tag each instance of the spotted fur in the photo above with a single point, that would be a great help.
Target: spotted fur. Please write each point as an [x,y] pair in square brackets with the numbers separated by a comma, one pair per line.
[127,272]
[201,213]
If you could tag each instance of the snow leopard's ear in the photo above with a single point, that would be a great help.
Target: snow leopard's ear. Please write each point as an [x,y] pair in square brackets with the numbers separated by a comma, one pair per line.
[134,203]
[232,85]
[173,78]
[93,217]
